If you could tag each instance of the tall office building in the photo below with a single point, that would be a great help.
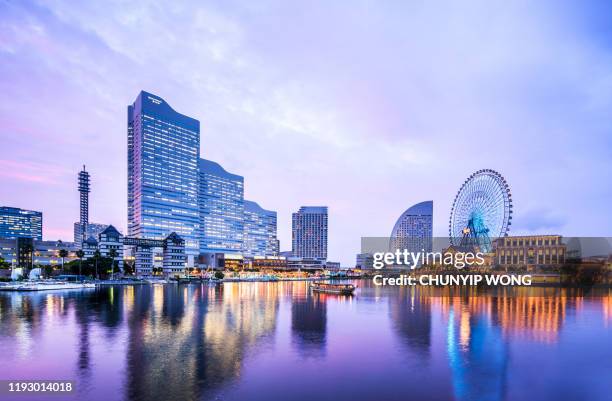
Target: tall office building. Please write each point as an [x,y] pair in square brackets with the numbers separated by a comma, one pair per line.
[163,154]
[15,222]
[309,232]
[221,202]
[414,229]
[259,231]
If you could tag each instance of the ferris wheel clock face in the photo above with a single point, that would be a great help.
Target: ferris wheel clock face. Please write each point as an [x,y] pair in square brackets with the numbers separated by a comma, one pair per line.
[482,209]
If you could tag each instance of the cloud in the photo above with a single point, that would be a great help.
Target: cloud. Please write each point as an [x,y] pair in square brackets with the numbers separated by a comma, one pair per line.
[367,109]
[538,221]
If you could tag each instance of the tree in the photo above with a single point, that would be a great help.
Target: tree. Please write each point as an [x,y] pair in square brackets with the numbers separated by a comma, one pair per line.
[80,255]
[3,263]
[29,250]
[62,254]
[128,267]
[219,275]
[113,254]
[96,256]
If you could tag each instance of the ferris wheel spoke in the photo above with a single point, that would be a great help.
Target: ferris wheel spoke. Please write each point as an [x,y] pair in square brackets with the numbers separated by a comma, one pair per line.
[484,195]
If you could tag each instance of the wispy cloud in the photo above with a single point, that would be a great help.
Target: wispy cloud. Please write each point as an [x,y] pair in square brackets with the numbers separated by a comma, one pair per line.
[372,105]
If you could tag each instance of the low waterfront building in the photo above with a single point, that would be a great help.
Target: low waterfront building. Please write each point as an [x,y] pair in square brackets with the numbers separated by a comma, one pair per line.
[111,239]
[531,252]
[26,252]
[89,247]
[364,261]
[16,222]
[268,263]
[297,263]
[232,261]
[144,250]
[174,254]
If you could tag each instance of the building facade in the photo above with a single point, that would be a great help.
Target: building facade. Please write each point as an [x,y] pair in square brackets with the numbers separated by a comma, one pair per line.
[15,222]
[259,231]
[145,251]
[309,233]
[532,251]
[221,205]
[268,263]
[111,240]
[174,255]
[163,155]
[364,261]
[26,252]
[92,230]
[413,230]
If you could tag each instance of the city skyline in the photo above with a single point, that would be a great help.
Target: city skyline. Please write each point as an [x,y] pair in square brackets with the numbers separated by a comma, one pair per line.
[537,111]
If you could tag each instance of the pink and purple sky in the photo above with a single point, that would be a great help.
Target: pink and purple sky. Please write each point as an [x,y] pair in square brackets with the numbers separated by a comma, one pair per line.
[366,107]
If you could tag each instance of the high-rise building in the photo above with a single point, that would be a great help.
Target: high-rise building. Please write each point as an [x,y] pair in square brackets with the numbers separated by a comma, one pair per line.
[15,222]
[414,229]
[259,231]
[163,154]
[309,232]
[221,201]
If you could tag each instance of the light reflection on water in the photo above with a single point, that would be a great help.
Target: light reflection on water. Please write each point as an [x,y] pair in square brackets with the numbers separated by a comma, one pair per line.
[267,341]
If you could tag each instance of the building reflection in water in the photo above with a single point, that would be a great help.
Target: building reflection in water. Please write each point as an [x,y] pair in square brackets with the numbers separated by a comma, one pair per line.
[410,314]
[480,326]
[477,351]
[183,342]
[308,321]
[191,342]
[538,318]
[188,340]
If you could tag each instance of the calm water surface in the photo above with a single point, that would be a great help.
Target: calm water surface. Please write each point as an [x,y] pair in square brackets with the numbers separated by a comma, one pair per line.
[277,341]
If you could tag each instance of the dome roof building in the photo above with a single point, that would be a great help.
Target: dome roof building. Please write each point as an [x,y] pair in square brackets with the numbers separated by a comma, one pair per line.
[414,229]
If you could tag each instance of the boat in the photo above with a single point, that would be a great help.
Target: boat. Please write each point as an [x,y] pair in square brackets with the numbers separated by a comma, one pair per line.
[328,288]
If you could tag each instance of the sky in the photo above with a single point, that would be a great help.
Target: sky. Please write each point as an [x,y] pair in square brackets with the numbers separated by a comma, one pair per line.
[366,107]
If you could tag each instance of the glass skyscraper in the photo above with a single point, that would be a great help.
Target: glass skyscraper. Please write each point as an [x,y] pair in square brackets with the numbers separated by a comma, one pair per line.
[309,232]
[163,154]
[221,203]
[414,229]
[259,231]
[15,222]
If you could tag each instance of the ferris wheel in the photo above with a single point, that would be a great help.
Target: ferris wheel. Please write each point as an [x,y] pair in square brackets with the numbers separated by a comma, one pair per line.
[482,210]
